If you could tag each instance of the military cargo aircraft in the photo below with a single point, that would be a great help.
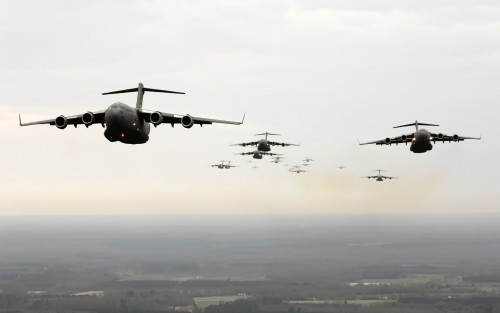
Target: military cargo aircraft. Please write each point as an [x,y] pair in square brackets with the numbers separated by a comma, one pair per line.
[277,159]
[379,177]
[221,165]
[126,124]
[297,170]
[257,154]
[264,145]
[420,140]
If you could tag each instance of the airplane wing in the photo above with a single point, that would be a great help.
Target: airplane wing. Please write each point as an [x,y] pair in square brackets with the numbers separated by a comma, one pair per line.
[96,117]
[283,144]
[443,137]
[388,177]
[269,153]
[369,177]
[253,143]
[390,141]
[246,153]
[169,118]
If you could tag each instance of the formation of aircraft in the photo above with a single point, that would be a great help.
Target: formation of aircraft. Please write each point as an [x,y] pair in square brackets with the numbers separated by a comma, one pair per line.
[221,165]
[131,125]
[421,140]
[379,177]
[127,124]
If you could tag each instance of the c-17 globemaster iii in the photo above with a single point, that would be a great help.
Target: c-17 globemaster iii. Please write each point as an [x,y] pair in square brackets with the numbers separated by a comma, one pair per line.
[221,165]
[127,124]
[420,140]
[256,154]
[379,177]
[264,145]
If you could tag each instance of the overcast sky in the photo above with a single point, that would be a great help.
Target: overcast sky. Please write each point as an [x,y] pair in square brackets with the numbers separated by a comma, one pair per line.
[320,73]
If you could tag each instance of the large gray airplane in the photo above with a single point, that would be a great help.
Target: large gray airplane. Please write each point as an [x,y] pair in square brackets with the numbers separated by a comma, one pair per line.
[264,144]
[420,140]
[127,124]
[379,177]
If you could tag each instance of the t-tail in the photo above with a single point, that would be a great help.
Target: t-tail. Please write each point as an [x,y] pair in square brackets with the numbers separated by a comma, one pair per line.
[416,125]
[140,93]
[379,171]
[267,134]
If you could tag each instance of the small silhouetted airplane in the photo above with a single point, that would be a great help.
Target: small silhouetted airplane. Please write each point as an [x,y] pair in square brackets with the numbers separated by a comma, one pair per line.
[277,159]
[297,170]
[221,165]
[379,177]
[257,154]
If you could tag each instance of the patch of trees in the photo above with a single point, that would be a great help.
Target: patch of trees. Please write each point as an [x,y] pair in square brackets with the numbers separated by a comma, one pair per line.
[240,306]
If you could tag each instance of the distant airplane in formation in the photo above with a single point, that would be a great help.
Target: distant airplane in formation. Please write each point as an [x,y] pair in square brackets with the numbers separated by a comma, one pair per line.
[127,124]
[297,169]
[341,167]
[257,154]
[308,160]
[379,177]
[221,165]
[264,145]
[420,140]
[277,159]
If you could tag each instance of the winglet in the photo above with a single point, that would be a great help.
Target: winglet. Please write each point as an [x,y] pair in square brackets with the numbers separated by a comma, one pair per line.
[243,119]
[20,123]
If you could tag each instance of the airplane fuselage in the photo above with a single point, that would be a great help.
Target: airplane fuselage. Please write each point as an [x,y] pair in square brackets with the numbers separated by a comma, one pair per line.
[379,179]
[257,155]
[124,124]
[263,145]
[421,141]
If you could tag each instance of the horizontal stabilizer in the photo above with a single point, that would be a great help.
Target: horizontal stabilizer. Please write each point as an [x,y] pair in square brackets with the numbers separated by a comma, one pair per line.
[144,89]
[415,124]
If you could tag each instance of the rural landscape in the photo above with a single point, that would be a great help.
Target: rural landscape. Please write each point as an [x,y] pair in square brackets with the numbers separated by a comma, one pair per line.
[379,263]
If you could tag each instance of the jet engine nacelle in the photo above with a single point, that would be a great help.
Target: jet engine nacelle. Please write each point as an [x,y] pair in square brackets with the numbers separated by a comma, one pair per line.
[455,137]
[404,137]
[88,118]
[440,136]
[187,121]
[61,122]
[156,118]
[388,140]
